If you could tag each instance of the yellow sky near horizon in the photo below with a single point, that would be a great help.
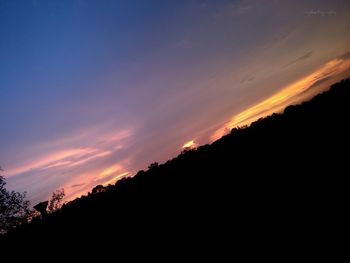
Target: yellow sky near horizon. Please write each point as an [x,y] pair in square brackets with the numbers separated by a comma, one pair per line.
[289,95]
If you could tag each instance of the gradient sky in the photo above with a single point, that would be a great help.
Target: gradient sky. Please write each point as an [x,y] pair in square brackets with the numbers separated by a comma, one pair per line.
[91,91]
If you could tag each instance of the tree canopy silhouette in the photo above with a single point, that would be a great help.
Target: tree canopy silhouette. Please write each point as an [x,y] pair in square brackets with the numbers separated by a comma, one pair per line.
[14,208]
[56,200]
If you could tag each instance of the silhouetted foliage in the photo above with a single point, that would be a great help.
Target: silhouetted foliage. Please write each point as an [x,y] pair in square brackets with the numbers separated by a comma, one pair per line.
[56,200]
[98,189]
[153,165]
[188,149]
[14,208]
[283,178]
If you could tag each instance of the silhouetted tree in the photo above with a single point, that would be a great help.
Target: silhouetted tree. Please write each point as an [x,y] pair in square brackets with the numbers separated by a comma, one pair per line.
[188,149]
[56,200]
[153,165]
[98,189]
[14,208]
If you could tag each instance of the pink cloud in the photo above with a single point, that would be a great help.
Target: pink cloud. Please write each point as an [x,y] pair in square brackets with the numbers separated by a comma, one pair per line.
[105,176]
[100,147]
[89,158]
[51,160]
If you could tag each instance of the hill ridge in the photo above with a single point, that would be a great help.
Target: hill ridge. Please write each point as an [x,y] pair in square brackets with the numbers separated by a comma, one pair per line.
[289,166]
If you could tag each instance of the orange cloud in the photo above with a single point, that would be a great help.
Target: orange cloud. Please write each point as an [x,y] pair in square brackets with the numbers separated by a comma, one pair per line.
[110,170]
[285,97]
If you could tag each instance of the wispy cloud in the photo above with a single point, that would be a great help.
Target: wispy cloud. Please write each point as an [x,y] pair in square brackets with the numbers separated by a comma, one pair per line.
[50,160]
[77,185]
[285,97]
[85,159]
[299,59]
[102,175]
[76,169]
[101,147]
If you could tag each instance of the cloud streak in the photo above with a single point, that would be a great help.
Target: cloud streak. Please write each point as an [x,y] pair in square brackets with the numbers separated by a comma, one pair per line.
[285,97]
[51,160]
[69,165]
[299,59]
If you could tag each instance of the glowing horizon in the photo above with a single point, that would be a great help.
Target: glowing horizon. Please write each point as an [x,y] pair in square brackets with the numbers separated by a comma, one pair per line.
[285,97]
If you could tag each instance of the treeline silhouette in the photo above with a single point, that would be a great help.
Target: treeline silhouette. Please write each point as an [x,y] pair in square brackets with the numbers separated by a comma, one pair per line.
[283,176]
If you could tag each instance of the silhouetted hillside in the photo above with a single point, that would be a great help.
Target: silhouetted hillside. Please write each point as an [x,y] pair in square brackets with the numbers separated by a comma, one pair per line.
[282,177]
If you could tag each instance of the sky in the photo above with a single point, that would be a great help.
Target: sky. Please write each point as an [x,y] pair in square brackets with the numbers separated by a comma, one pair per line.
[92,91]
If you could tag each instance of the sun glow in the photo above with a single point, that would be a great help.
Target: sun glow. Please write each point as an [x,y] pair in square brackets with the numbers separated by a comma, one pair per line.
[116,178]
[189,145]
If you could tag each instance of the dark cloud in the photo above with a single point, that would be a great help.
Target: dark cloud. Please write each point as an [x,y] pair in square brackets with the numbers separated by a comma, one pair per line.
[345,55]
[248,78]
[299,59]
[77,185]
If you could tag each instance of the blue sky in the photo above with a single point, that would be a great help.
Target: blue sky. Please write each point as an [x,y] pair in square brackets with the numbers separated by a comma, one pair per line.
[91,91]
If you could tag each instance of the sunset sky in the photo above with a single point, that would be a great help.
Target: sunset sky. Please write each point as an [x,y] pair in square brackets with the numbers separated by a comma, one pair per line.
[92,91]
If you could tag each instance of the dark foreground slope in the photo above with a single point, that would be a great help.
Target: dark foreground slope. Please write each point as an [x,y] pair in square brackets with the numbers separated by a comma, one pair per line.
[281,178]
